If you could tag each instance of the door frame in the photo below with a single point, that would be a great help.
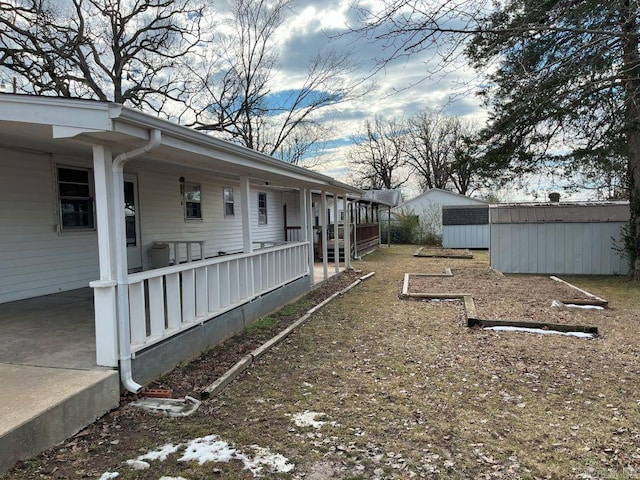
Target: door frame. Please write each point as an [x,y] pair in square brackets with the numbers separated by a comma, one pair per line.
[131,255]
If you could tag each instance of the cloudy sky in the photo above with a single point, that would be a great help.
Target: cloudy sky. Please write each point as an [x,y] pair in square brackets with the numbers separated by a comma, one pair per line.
[400,89]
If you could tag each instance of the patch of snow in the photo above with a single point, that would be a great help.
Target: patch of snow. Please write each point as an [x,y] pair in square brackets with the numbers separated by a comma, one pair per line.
[212,449]
[308,419]
[586,307]
[208,449]
[161,454]
[264,457]
[540,331]
[138,464]
[109,475]
[556,303]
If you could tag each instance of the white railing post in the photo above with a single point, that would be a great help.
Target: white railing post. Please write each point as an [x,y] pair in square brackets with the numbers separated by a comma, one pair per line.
[336,232]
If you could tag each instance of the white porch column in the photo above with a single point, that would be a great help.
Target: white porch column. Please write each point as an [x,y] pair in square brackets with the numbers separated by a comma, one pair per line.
[347,229]
[336,241]
[245,198]
[303,215]
[325,226]
[104,290]
[309,223]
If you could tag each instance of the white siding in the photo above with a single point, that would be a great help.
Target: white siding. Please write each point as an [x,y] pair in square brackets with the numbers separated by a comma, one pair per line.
[564,248]
[465,236]
[162,215]
[34,258]
[292,200]
[274,229]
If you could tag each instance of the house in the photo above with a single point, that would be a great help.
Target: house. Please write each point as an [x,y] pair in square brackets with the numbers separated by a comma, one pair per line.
[181,237]
[428,206]
[582,238]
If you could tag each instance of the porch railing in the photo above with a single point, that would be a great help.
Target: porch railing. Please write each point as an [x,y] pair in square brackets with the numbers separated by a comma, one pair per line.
[166,301]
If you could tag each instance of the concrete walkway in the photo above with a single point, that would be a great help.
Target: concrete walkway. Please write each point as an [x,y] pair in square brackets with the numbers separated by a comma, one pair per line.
[51,385]
[41,406]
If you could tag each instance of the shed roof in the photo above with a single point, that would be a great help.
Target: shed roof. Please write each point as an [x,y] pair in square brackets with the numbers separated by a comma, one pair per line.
[387,197]
[568,212]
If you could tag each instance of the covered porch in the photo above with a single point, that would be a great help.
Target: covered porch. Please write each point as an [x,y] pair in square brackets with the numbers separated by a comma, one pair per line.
[93,187]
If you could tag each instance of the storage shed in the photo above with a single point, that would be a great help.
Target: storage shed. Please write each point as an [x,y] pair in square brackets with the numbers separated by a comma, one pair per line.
[465,226]
[558,238]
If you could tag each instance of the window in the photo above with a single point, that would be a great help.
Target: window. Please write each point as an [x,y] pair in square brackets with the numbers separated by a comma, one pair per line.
[229,209]
[262,208]
[192,201]
[75,198]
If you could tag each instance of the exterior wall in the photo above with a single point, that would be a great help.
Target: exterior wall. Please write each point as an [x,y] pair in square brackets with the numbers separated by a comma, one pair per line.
[562,248]
[292,200]
[162,215]
[274,229]
[465,236]
[34,258]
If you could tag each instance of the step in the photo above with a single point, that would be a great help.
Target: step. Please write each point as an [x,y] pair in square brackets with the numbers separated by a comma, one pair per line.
[41,407]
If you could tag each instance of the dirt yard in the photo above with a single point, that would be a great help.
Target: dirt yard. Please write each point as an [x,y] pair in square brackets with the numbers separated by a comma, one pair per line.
[379,387]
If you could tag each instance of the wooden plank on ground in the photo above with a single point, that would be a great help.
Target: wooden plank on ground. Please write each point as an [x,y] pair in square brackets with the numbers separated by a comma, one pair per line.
[558,327]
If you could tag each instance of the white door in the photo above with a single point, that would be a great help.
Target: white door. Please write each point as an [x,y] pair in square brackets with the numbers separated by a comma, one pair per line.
[134,254]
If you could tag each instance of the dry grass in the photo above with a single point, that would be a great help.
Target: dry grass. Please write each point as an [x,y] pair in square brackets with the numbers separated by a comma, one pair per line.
[409,392]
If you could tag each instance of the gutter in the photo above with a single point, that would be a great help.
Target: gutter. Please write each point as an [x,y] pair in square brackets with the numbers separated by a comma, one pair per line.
[124,333]
[313,179]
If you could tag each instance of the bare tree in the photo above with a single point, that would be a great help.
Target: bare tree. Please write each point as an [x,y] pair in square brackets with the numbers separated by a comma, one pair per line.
[445,153]
[378,155]
[238,96]
[124,51]
[561,75]
[430,148]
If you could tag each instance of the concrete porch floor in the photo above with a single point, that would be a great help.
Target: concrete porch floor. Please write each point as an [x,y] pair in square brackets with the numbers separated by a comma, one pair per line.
[51,385]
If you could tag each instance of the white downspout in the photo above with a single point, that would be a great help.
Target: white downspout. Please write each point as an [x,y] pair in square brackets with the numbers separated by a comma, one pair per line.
[124,333]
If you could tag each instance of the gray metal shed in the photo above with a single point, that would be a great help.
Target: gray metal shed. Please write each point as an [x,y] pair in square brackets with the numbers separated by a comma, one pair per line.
[465,226]
[558,238]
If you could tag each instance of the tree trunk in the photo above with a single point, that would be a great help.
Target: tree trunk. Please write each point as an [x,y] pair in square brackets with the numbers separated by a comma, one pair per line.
[631,83]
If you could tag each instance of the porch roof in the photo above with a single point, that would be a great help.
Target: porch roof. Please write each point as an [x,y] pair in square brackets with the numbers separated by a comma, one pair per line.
[72,126]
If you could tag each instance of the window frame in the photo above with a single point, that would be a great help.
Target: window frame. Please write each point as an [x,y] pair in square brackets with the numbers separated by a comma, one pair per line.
[226,202]
[263,218]
[89,199]
[185,202]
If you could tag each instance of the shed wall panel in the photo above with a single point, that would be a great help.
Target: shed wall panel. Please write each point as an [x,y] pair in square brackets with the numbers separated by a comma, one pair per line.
[465,236]
[564,248]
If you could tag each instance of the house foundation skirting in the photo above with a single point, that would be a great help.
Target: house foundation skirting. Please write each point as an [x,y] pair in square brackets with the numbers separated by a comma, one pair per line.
[161,358]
